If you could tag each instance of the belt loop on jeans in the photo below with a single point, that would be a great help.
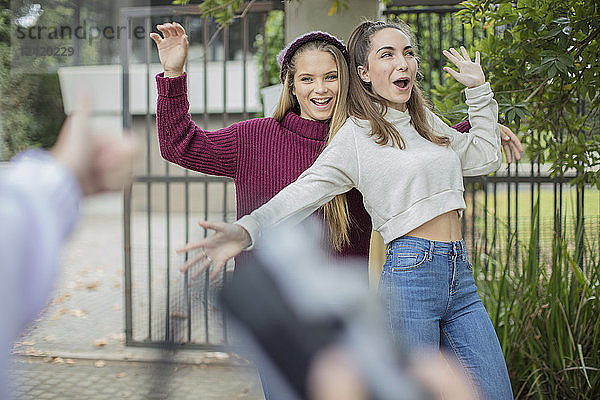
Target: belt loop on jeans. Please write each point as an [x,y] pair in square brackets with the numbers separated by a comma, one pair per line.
[431,247]
[463,249]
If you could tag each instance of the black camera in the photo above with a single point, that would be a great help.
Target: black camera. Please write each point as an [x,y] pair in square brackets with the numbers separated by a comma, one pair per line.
[294,301]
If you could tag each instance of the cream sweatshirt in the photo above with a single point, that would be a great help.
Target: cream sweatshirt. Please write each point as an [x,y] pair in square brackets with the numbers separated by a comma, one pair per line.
[402,188]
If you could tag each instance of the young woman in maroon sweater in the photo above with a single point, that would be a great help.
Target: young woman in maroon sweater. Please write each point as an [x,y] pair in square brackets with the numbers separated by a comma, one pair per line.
[264,155]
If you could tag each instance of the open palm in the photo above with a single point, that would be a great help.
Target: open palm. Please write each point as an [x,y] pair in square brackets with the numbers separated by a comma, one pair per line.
[227,242]
[172,47]
[469,72]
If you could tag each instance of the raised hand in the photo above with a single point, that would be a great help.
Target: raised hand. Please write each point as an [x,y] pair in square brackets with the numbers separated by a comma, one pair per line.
[469,72]
[228,241]
[510,143]
[172,49]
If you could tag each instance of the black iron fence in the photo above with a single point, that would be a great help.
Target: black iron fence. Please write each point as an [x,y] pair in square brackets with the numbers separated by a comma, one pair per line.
[501,208]
[163,205]
[165,201]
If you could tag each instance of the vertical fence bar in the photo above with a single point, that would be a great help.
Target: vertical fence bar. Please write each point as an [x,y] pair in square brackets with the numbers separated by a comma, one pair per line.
[148,184]
[440,48]
[430,51]
[244,66]
[485,216]
[223,313]
[186,275]
[539,193]
[508,212]
[225,59]
[126,122]
[473,213]
[495,225]
[168,255]
[205,22]
[207,272]
[225,122]
[517,214]
[265,75]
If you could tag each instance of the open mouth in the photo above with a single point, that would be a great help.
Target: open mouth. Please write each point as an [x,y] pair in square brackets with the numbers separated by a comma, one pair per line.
[402,83]
[321,102]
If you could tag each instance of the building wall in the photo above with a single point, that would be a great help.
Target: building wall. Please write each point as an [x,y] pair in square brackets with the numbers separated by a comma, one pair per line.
[312,15]
[104,83]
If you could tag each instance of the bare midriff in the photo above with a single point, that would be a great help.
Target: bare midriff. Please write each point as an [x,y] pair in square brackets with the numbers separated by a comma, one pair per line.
[445,228]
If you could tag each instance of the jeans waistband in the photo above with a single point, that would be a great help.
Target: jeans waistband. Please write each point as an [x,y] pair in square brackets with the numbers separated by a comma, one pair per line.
[456,247]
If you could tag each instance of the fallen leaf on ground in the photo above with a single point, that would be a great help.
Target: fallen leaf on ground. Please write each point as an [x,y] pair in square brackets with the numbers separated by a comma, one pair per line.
[122,375]
[100,342]
[76,312]
[75,284]
[99,364]
[62,298]
[93,285]
[218,355]
[118,336]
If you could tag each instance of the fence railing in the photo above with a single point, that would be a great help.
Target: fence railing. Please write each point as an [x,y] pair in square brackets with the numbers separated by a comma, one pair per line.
[164,203]
[500,209]
[164,305]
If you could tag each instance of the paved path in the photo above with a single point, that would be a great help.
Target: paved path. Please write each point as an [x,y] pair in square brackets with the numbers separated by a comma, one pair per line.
[76,349]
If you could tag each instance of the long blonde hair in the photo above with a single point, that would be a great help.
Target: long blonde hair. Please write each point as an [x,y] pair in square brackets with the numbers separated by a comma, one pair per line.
[364,103]
[336,210]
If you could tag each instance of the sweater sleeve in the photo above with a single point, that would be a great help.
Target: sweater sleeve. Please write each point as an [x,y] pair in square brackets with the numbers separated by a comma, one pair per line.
[182,142]
[463,126]
[479,149]
[335,171]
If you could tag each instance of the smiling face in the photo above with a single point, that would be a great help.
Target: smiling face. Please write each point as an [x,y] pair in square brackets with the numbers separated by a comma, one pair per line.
[391,68]
[316,84]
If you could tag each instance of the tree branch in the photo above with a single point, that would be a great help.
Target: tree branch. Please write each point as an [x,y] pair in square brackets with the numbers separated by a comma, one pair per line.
[584,43]
[221,27]
[535,91]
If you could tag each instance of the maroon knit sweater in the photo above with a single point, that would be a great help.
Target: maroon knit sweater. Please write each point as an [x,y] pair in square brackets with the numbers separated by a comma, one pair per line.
[261,155]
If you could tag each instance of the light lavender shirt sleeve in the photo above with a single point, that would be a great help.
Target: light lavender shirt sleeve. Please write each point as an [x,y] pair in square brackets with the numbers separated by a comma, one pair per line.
[39,205]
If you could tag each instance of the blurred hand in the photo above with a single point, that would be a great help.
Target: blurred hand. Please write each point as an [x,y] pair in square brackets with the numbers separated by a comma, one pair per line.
[510,143]
[470,73]
[443,377]
[100,163]
[334,375]
[172,49]
[228,241]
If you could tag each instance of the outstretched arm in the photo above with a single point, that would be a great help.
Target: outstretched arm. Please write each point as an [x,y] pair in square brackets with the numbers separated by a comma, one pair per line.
[181,141]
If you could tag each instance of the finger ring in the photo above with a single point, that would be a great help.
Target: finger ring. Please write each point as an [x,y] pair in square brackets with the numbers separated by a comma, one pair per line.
[205,255]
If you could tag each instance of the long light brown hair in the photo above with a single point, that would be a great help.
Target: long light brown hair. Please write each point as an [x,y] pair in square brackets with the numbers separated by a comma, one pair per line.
[364,103]
[336,210]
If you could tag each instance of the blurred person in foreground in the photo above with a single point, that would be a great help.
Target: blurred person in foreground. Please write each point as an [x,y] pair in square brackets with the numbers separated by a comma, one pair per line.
[40,194]
[331,344]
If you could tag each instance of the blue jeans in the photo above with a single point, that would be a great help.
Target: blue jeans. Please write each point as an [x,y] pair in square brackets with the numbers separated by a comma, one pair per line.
[432,302]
